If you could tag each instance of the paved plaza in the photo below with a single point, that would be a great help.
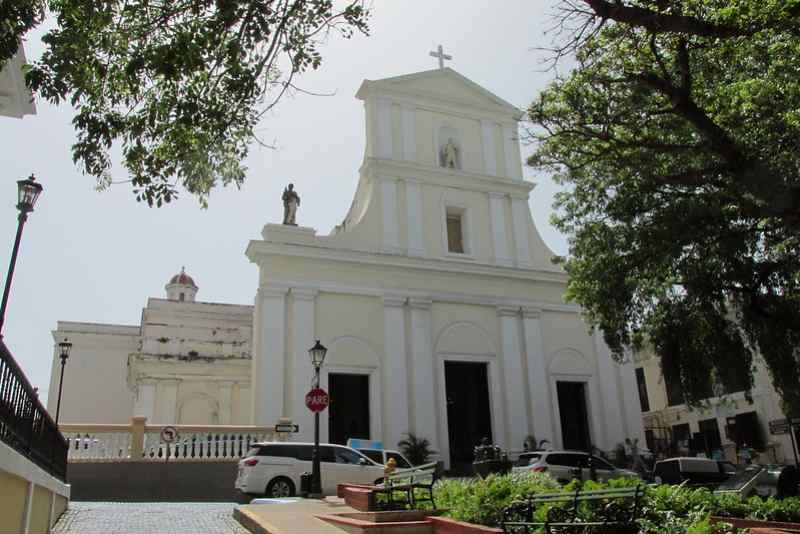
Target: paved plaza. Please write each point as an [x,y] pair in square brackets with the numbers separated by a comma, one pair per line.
[148,518]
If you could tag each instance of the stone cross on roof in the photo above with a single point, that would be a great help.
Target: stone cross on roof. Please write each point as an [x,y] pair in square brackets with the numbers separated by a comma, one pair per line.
[439,53]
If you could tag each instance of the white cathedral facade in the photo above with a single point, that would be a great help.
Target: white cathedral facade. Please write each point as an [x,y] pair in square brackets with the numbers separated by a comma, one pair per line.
[442,313]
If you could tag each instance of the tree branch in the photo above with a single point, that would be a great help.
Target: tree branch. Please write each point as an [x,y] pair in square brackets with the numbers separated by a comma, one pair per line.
[656,22]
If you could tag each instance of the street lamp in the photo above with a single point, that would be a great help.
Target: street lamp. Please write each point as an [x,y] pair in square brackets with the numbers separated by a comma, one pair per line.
[317,353]
[28,192]
[64,348]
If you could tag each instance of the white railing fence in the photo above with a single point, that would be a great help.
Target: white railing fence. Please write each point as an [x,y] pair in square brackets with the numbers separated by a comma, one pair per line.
[139,441]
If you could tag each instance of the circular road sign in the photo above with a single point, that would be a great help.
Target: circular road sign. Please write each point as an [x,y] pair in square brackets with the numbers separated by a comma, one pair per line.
[169,434]
[317,400]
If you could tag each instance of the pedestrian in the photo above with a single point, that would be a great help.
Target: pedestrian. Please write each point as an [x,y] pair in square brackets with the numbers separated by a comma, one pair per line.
[745,454]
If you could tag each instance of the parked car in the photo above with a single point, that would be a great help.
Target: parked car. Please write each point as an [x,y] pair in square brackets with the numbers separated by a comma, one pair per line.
[381,456]
[763,481]
[274,468]
[694,471]
[565,465]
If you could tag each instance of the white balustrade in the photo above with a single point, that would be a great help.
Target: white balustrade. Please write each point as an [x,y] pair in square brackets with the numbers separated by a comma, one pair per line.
[109,443]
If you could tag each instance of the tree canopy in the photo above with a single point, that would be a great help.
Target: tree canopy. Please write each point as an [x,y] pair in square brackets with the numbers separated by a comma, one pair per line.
[179,84]
[677,138]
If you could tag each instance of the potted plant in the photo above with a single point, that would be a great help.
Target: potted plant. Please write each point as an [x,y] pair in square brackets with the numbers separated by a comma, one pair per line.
[490,459]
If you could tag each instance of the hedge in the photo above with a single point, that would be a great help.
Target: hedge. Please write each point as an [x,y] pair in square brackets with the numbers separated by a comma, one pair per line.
[665,509]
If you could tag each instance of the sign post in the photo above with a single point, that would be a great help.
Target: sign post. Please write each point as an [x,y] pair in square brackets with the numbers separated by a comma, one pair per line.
[316,400]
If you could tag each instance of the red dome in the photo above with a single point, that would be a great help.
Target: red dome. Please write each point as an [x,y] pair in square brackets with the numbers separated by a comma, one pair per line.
[183,279]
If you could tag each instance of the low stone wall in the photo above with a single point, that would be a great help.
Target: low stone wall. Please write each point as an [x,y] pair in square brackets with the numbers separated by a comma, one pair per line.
[31,500]
[154,481]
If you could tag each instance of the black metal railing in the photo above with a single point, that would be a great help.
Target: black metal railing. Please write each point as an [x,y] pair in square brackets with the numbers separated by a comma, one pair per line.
[25,424]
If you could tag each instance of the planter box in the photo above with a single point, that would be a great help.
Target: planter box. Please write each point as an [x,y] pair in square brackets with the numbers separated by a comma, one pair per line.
[444,525]
[757,524]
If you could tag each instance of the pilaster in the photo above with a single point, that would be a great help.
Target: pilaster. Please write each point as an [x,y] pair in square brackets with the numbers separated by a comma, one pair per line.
[302,331]
[408,116]
[391,234]
[416,244]
[167,412]
[487,142]
[517,408]
[145,404]
[423,399]
[497,212]
[383,126]
[519,217]
[510,146]
[225,401]
[538,382]
[269,350]
[395,370]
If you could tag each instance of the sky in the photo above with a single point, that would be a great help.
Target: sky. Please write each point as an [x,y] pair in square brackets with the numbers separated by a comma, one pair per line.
[97,256]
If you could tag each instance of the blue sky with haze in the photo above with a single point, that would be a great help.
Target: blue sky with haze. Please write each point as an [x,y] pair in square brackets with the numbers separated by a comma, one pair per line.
[97,257]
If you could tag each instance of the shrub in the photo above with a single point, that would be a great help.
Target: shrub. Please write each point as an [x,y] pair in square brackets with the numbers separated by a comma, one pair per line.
[482,501]
[416,449]
[664,509]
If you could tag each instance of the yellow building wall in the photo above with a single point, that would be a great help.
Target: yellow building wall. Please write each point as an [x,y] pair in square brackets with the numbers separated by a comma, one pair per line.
[13,491]
[40,511]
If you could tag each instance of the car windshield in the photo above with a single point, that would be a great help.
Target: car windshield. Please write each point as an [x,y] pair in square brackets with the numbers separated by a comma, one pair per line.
[740,479]
[375,456]
[528,458]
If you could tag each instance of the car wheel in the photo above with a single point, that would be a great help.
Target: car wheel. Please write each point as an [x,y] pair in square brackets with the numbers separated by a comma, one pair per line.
[280,487]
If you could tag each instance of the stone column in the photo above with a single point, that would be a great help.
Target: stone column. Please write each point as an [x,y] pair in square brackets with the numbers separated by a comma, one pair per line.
[395,368]
[225,401]
[269,348]
[516,405]
[167,413]
[145,404]
[423,399]
[538,381]
[303,331]
[497,212]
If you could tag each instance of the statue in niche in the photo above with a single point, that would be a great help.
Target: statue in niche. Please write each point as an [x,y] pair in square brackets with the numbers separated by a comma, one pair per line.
[291,201]
[450,155]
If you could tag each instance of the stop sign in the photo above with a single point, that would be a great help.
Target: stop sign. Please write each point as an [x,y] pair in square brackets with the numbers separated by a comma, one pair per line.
[317,399]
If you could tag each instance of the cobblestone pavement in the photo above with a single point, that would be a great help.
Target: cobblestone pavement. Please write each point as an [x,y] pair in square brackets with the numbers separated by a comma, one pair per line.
[148,518]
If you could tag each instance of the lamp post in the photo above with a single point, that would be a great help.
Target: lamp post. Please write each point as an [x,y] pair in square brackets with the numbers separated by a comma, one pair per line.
[317,353]
[28,192]
[64,348]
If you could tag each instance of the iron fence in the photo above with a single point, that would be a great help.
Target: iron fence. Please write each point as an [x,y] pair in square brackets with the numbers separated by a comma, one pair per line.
[25,424]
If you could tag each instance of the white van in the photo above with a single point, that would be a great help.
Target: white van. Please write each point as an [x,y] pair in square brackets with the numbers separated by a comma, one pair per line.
[274,468]
[381,456]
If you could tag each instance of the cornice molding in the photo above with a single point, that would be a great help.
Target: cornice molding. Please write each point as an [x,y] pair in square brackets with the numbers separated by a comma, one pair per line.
[258,251]
[380,168]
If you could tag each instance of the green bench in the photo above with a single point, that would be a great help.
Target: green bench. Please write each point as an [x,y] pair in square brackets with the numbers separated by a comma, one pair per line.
[612,511]
[408,487]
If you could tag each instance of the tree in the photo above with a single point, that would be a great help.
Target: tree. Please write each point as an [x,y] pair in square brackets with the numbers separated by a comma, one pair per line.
[180,84]
[677,136]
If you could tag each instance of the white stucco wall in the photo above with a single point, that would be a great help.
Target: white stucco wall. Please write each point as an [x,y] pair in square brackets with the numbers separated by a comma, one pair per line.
[95,388]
